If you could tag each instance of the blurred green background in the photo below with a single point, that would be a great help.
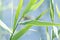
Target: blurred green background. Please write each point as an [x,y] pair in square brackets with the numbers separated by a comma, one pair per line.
[7,12]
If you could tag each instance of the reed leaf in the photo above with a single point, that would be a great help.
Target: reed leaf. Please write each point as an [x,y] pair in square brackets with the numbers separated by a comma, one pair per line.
[58,12]
[37,5]
[51,11]
[17,14]
[29,25]
[48,36]
[37,18]
[27,9]
[42,14]
[4,26]
[52,15]
[21,32]
[35,22]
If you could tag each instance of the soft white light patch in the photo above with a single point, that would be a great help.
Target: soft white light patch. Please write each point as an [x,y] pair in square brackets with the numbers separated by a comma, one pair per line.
[9,6]
[53,1]
[33,30]
[0,3]
[40,38]
[48,36]
[56,31]
[5,26]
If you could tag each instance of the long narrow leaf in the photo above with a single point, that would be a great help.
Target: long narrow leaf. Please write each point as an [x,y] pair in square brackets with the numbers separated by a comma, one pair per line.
[4,26]
[48,36]
[51,11]
[21,32]
[38,23]
[29,25]
[34,7]
[44,12]
[52,15]
[27,9]
[58,12]
[17,14]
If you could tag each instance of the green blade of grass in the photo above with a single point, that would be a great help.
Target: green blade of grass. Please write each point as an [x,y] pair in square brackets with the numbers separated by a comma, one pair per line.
[21,32]
[35,22]
[48,36]
[58,12]
[52,15]
[17,14]
[52,18]
[4,26]
[36,19]
[29,25]
[34,7]
[27,9]
[24,23]
[47,33]
[51,11]
[28,6]
[43,13]
[18,10]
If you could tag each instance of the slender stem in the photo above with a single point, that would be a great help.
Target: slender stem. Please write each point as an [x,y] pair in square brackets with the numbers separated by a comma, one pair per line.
[15,28]
[52,14]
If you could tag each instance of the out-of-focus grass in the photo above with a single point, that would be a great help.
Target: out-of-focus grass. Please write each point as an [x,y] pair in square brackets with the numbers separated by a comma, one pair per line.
[54,28]
[57,9]
[52,15]
[32,5]
[16,16]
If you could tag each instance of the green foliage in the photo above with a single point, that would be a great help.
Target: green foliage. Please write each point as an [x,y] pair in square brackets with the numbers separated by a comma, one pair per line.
[35,6]
[16,17]
[17,14]
[44,12]
[27,9]
[29,25]
[21,32]
[51,11]
[52,15]
[38,23]
[58,12]
[32,5]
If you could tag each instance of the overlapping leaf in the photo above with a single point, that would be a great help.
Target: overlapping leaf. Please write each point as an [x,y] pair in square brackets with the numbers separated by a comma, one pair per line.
[21,32]
[51,11]
[29,25]
[34,7]
[4,26]
[43,13]
[17,14]
[58,12]
[27,9]
[52,14]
